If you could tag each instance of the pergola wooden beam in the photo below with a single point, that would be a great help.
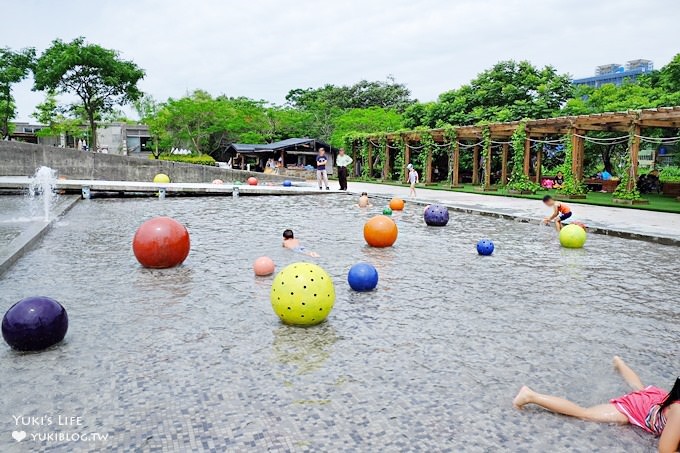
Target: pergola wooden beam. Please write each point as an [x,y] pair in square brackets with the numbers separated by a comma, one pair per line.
[668,117]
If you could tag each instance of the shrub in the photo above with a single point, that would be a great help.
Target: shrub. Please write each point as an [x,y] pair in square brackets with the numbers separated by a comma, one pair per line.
[203,159]
[669,174]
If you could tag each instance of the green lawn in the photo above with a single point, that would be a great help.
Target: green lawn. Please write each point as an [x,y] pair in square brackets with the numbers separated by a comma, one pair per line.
[656,202]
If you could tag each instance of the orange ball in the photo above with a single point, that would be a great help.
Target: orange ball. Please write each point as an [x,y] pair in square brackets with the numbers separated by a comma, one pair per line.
[397,204]
[380,231]
[264,266]
[160,243]
[252,181]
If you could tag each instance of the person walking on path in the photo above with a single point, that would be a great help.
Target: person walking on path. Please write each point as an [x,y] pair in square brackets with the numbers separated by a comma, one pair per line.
[412,179]
[321,173]
[343,161]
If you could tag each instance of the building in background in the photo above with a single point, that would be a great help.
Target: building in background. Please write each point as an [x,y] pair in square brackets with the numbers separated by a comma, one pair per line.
[113,138]
[616,73]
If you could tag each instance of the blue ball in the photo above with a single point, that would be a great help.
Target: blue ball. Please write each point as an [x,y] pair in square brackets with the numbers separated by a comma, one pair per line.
[436,215]
[287,183]
[34,323]
[485,247]
[362,277]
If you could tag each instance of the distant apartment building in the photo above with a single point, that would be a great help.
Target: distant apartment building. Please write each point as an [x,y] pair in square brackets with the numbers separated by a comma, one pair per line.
[616,73]
[112,138]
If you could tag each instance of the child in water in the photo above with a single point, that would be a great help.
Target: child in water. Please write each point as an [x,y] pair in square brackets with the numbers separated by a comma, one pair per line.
[293,244]
[652,409]
[364,202]
[561,212]
[412,179]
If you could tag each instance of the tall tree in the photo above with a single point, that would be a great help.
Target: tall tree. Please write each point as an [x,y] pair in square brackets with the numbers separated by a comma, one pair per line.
[374,119]
[385,94]
[55,120]
[97,76]
[508,91]
[14,67]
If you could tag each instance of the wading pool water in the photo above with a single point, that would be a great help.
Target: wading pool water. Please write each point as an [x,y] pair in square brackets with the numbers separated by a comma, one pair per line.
[194,358]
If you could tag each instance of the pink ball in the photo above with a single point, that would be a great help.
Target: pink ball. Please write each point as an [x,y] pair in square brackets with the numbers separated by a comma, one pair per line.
[264,266]
[217,181]
[252,181]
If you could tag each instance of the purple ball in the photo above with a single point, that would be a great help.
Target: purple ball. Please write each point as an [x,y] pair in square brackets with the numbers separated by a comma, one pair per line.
[436,215]
[34,323]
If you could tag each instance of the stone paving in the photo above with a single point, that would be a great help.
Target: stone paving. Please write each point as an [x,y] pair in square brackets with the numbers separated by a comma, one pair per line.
[650,225]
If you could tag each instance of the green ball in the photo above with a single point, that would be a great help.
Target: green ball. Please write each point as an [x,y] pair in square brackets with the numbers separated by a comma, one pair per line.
[302,294]
[572,236]
[387,211]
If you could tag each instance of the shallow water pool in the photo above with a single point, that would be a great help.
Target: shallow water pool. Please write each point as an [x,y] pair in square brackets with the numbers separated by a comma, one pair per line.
[193,358]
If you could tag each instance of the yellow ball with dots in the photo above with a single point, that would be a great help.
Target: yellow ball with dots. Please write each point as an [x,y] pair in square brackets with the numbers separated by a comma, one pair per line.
[302,294]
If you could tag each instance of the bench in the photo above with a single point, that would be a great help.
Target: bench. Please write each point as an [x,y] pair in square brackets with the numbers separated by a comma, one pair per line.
[608,186]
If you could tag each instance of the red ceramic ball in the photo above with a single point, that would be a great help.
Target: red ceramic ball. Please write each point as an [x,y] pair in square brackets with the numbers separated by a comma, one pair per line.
[252,181]
[160,243]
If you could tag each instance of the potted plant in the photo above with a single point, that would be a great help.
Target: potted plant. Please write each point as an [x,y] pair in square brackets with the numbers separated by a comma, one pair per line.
[670,180]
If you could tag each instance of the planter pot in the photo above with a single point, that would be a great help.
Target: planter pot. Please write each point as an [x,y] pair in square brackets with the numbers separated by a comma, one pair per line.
[519,192]
[671,189]
[630,202]
[456,186]
[486,189]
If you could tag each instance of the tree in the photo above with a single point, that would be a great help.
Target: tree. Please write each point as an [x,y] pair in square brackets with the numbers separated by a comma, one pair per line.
[205,124]
[54,120]
[388,94]
[147,109]
[372,119]
[97,76]
[14,67]
[508,91]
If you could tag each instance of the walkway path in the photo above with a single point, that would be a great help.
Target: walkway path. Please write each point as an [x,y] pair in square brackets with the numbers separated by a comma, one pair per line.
[632,223]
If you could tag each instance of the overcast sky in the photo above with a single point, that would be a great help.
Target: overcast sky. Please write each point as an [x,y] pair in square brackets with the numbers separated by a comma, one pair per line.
[264,48]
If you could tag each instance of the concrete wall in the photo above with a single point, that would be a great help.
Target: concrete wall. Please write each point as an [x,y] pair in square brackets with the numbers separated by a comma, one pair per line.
[22,159]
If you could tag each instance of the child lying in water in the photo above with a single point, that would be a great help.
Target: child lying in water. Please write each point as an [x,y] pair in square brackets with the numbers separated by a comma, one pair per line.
[293,244]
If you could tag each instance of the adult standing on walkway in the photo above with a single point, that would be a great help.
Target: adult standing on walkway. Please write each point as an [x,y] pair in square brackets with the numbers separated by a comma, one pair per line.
[343,161]
[321,173]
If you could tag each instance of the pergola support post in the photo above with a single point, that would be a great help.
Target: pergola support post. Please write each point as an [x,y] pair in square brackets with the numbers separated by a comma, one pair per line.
[407,158]
[634,157]
[577,145]
[487,167]
[504,164]
[475,165]
[539,158]
[370,159]
[387,170]
[455,182]
[428,167]
[527,155]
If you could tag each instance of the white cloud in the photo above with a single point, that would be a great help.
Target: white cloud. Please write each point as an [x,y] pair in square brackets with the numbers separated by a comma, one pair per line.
[264,48]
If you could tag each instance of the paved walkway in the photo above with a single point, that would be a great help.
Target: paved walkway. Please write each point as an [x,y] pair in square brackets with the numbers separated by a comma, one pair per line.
[633,223]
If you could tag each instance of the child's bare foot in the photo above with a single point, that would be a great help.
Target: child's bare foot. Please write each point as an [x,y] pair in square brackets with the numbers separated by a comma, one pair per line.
[618,361]
[523,397]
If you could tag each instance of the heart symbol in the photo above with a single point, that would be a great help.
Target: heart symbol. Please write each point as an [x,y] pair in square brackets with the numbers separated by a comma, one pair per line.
[19,435]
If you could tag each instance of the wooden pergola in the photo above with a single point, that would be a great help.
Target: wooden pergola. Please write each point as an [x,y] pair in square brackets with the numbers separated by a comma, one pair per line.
[632,122]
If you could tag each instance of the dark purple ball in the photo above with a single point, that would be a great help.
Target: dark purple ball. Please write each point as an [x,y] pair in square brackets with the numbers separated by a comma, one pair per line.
[436,215]
[34,323]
